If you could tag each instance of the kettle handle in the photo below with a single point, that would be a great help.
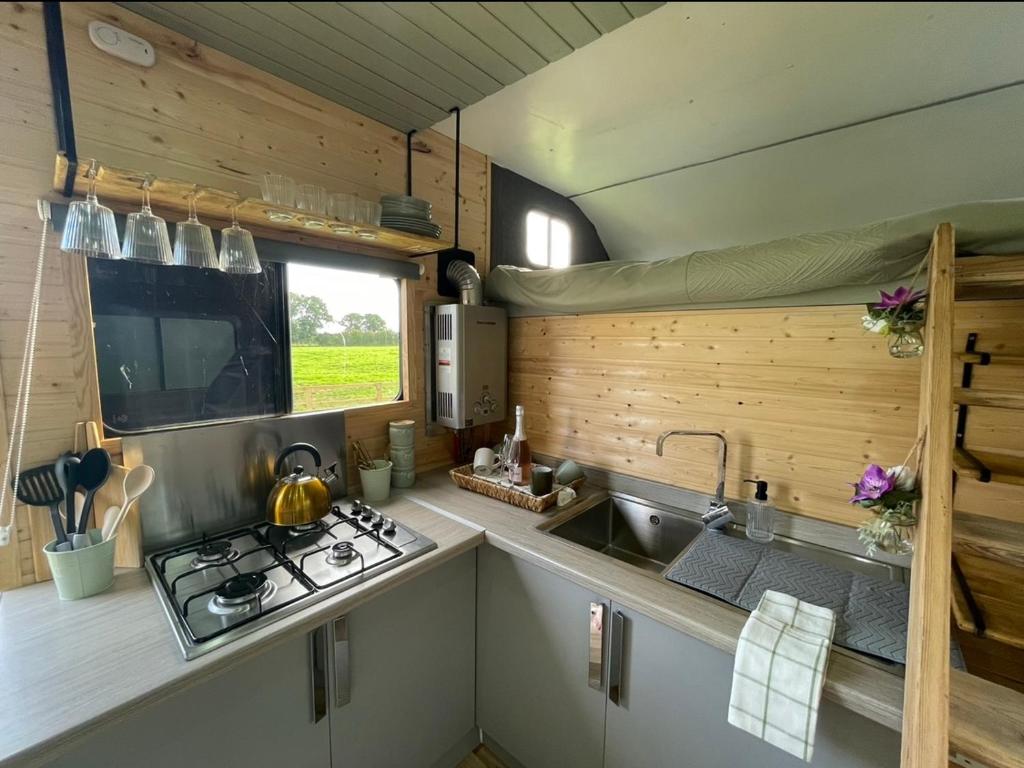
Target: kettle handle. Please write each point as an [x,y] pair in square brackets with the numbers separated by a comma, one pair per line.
[295,448]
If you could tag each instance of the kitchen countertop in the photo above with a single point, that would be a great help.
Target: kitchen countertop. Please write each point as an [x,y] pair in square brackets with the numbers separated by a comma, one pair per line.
[68,667]
[986,720]
[47,702]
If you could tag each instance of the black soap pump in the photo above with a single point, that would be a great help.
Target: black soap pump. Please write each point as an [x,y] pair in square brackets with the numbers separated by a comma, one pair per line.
[760,514]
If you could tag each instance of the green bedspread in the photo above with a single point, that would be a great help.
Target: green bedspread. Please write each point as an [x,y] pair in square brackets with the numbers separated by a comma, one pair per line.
[845,266]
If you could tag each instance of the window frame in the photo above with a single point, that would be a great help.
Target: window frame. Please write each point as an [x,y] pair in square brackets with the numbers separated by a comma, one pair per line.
[551,219]
[403,371]
[285,382]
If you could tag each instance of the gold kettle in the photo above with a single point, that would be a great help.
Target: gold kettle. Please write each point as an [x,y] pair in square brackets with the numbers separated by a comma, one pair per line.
[299,498]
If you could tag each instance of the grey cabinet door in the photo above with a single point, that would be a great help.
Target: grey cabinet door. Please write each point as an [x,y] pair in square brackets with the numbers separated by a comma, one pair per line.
[533,696]
[674,704]
[257,714]
[410,659]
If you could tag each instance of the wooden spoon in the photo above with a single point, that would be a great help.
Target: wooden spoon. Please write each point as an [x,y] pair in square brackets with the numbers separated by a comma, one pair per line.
[136,483]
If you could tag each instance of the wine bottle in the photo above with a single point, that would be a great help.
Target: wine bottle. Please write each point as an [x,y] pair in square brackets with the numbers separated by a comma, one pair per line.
[521,467]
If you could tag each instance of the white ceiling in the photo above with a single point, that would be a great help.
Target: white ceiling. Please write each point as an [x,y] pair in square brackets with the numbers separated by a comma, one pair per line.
[690,85]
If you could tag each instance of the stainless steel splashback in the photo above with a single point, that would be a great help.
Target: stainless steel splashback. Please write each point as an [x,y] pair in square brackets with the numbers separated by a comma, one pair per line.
[212,478]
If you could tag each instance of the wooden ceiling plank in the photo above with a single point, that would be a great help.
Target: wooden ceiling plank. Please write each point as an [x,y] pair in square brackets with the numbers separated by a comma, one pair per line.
[524,21]
[208,29]
[493,33]
[354,26]
[636,10]
[436,23]
[605,16]
[378,72]
[567,21]
[273,22]
[393,23]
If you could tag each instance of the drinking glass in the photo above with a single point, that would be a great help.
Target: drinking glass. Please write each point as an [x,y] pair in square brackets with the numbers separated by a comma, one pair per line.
[90,229]
[145,235]
[312,198]
[367,212]
[503,454]
[278,190]
[342,208]
[193,241]
[513,459]
[238,249]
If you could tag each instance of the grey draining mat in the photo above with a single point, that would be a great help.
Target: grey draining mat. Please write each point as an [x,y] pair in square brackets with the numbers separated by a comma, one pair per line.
[871,614]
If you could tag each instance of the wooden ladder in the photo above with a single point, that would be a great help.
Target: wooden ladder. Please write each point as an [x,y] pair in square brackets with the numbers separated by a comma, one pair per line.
[949,712]
[988,553]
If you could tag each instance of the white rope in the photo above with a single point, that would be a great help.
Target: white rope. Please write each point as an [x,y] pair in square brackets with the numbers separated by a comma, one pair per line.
[17,436]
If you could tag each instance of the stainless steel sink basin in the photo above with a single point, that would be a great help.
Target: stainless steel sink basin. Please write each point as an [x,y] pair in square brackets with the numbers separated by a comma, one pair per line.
[633,531]
[652,536]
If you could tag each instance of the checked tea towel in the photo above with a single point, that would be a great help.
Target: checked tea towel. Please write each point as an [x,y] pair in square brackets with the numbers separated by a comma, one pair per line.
[780,670]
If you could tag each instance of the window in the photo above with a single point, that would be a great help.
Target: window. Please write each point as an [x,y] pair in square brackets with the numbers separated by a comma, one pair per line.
[548,241]
[176,345]
[345,346]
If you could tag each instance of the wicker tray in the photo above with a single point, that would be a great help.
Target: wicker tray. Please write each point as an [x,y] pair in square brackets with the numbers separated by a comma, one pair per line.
[464,478]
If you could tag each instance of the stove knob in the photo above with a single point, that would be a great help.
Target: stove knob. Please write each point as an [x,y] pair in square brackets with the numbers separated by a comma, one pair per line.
[388,528]
[377,520]
[367,512]
[357,507]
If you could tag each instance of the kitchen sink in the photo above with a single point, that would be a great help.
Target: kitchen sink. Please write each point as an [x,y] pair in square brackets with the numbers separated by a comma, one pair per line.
[631,530]
[651,537]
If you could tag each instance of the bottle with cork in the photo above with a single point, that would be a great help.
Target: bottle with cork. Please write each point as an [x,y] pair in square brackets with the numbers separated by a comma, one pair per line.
[520,458]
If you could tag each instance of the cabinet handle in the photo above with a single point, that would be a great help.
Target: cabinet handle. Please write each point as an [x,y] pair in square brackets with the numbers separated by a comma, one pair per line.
[595,647]
[615,658]
[318,671]
[342,668]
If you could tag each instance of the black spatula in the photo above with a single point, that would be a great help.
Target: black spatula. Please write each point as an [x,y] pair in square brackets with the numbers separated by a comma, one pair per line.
[39,488]
[91,474]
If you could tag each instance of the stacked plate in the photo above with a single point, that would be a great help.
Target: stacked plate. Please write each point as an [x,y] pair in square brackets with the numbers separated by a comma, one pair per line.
[408,214]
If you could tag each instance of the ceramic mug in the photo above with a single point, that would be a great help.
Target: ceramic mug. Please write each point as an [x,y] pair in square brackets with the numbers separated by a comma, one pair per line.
[402,433]
[541,481]
[485,461]
[568,471]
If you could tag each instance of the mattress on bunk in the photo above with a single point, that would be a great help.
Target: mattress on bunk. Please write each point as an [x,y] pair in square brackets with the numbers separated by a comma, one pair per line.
[844,266]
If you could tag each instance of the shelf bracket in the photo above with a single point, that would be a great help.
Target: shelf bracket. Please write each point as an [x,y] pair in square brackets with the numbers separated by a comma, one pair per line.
[60,85]
[984,473]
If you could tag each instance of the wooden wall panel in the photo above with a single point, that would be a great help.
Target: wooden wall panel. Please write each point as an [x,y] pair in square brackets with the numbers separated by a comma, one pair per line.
[197,115]
[805,397]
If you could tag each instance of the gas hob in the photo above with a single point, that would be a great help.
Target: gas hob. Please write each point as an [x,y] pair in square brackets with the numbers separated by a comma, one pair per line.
[222,587]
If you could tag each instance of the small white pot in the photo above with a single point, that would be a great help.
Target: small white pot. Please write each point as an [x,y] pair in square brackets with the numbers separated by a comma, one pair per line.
[376,482]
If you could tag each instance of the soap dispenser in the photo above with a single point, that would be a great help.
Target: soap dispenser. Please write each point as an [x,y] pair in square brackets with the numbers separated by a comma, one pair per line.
[760,514]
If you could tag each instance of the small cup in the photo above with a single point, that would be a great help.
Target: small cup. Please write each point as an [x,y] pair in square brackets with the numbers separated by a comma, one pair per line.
[568,472]
[376,482]
[402,433]
[541,481]
[403,478]
[485,462]
[403,458]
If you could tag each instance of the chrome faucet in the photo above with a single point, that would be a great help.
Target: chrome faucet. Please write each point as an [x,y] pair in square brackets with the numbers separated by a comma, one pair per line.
[717,514]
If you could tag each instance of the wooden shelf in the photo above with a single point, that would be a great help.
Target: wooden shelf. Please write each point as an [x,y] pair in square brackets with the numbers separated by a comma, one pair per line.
[995,586]
[989,358]
[119,185]
[986,537]
[989,467]
[988,398]
[990,277]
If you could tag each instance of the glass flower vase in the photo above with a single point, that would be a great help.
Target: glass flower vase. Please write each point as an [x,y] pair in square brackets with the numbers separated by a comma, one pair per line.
[905,339]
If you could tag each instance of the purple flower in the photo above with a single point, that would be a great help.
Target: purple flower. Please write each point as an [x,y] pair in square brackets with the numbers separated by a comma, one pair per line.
[874,484]
[902,296]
